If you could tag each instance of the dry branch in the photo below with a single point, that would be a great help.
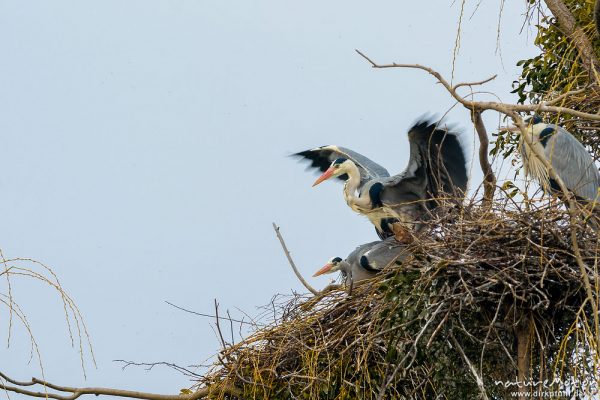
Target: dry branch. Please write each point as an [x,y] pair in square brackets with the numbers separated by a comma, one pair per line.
[489,179]
[76,392]
[504,108]
[292,264]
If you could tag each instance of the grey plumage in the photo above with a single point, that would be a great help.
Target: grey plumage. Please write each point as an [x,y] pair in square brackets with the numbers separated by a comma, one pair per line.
[350,266]
[322,157]
[436,165]
[383,254]
[568,157]
[366,260]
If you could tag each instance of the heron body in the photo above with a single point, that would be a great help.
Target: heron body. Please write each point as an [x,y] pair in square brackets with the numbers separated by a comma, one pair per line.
[366,260]
[436,165]
[350,267]
[384,254]
[568,157]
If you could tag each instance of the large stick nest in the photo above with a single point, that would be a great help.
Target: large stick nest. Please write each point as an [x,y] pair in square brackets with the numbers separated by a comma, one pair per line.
[429,327]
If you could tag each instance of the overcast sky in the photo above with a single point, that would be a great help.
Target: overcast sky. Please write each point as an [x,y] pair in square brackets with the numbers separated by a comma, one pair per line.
[144,155]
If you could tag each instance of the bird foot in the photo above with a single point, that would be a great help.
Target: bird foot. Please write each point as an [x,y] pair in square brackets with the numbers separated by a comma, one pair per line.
[401,234]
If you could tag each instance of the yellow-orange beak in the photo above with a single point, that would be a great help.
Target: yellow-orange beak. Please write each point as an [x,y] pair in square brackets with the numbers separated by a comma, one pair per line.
[323,270]
[326,175]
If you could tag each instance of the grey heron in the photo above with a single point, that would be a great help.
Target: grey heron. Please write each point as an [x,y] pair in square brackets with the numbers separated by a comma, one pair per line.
[366,260]
[436,165]
[350,267]
[568,157]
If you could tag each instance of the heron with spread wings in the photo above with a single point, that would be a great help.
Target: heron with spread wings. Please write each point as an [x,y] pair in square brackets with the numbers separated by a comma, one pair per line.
[398,204]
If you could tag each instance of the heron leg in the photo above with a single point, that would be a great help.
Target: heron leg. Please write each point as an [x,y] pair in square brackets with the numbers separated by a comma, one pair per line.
[351,286]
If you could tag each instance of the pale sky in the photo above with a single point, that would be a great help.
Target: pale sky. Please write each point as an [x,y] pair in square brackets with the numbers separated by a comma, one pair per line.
[144,155]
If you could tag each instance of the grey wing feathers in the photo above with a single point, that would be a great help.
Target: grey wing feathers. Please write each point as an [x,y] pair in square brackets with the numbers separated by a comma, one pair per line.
[573,163]
[355,255]
[384,254]
[437,164]
[446,164]
[322,157]
[373,169]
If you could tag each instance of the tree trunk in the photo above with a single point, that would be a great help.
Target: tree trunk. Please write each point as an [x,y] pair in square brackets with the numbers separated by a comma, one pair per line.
[523,333]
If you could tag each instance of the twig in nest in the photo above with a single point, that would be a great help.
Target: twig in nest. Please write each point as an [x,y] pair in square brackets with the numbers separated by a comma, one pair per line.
[472,368]
[292,264]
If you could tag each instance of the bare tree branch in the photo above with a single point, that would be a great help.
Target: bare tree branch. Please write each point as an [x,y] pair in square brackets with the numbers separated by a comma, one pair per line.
[491,78]
[72,393]
[504,108]
[223,342]
[289,257]
[489,179]
[558,99]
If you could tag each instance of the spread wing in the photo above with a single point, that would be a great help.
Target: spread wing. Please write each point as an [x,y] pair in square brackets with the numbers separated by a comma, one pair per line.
[322,157]
[436,165]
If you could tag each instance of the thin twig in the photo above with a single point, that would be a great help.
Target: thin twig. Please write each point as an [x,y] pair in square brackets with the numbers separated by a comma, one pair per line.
[491,78]
[223,342]
[208,315]
[149,366]
[292,264]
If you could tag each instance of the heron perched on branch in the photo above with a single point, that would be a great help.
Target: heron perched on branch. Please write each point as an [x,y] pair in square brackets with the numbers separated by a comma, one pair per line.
[394,204]
[568,157]
[366,260]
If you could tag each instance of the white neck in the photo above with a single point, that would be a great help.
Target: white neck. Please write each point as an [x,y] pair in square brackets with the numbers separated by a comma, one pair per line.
[533,166]
[351,187]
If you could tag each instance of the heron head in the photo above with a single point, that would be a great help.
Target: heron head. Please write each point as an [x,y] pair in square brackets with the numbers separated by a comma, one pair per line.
[338,167]
[332,265]
[529,123]
[536,119]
